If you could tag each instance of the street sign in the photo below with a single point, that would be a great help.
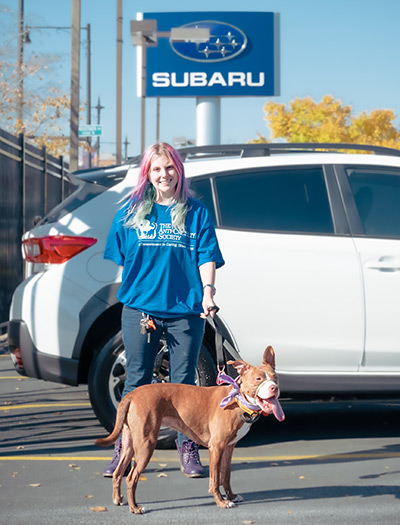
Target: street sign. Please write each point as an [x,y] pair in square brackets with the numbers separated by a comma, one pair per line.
[90,130]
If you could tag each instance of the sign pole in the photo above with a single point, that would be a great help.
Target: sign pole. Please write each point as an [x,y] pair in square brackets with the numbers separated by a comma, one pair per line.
[208,121]
[143,97]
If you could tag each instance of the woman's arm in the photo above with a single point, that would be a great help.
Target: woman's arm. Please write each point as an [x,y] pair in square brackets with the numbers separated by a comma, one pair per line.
[207,274]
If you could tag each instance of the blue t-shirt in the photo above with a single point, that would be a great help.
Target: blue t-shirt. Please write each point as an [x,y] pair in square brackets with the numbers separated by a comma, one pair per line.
[161,264]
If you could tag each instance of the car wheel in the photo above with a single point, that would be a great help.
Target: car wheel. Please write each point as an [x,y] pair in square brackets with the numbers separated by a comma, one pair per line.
[107,378]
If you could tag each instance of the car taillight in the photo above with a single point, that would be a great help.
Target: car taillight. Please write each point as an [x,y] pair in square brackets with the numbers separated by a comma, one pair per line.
[54,249]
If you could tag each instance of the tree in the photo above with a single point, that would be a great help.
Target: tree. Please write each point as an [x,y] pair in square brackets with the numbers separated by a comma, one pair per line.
[46,108]
[305,120]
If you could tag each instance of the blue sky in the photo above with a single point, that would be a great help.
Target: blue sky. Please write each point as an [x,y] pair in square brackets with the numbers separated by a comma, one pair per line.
[347,48]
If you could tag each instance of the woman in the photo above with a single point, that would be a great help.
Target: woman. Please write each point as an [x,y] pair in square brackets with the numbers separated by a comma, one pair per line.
[166,243]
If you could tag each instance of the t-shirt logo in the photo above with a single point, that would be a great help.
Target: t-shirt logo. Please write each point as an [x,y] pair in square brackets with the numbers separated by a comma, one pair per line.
[147,230]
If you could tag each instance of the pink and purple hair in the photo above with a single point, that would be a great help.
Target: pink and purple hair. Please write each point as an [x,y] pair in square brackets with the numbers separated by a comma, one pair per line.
[142,198]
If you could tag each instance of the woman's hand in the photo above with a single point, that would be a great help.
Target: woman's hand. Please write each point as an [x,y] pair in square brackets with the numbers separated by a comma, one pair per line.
[209,306]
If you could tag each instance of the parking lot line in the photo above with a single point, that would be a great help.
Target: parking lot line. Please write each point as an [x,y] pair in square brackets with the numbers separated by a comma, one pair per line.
[316,457]
[44,405]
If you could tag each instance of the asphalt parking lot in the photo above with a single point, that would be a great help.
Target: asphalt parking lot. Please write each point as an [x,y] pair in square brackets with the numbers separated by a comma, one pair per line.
[331,462]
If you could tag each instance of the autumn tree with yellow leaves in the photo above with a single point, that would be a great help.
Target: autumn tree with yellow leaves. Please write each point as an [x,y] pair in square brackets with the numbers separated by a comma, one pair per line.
[45,107]
[45,111]
[305,120]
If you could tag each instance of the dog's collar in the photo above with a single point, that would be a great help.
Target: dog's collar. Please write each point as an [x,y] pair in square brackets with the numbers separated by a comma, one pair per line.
[251,412]
[248,416]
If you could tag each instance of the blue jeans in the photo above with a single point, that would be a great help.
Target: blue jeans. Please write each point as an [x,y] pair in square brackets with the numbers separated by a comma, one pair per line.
[183,335]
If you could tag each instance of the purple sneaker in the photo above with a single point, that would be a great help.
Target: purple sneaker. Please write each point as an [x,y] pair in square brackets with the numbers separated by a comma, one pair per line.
[190,459]
[109,471]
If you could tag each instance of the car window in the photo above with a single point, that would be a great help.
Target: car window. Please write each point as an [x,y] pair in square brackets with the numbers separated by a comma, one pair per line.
[201,189]
[289,200]
[377,195]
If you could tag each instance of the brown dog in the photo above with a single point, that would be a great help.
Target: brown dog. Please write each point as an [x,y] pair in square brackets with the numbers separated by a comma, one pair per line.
[196,412]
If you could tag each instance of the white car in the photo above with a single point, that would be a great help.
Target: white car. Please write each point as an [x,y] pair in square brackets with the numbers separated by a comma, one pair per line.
[311,242]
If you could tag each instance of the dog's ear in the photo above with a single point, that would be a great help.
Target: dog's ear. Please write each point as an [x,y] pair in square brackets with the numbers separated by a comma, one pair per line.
[241,366]
[269,356]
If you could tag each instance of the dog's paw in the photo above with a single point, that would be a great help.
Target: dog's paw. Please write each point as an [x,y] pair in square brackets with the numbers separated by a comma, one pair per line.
[138,509]
[119,501]
[225,503]
[238,499]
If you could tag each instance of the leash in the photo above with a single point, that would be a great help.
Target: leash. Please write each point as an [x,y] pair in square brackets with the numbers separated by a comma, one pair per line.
[251,413]
[219,344]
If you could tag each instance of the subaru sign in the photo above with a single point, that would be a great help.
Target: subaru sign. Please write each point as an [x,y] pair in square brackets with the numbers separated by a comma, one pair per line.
[241,57]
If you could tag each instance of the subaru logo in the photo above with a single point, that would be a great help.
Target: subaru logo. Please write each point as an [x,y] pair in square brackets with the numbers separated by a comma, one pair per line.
[226,42]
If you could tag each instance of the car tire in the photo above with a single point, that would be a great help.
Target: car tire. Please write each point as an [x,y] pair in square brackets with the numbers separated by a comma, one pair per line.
[107,377]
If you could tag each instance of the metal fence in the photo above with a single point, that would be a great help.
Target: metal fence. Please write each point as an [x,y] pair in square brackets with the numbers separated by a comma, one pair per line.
[31,184]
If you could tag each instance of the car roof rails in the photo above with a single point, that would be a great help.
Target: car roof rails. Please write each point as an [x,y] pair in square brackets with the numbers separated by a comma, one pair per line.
[267,149]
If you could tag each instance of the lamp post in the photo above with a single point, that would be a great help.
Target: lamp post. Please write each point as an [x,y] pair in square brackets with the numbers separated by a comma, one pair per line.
[118,113]
[87,28]
[23,38]
[20,115]
[144,34]
[75,77]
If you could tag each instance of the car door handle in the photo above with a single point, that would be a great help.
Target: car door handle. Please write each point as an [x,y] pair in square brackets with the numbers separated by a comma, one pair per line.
[384,264]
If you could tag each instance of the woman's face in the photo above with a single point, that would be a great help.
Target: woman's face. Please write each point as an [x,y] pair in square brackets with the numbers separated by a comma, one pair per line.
[163,177]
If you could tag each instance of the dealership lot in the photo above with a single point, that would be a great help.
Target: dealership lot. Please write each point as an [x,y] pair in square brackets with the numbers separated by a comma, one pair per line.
[331,461]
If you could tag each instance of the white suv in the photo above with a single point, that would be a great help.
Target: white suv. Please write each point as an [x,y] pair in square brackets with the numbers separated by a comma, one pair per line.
[311,241]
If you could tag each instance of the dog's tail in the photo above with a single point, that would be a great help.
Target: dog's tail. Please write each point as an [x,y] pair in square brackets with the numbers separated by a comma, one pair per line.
[119,423]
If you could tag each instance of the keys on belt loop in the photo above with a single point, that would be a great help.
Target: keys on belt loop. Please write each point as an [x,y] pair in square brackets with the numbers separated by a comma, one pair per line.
[146,325]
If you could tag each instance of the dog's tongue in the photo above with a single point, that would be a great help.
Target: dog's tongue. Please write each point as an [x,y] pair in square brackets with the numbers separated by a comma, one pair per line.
[276,408]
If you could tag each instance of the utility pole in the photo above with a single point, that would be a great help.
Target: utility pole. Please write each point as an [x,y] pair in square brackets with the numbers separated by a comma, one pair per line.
[20,92]
[118,139]
[89,90]
[75,67]
[99,107]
